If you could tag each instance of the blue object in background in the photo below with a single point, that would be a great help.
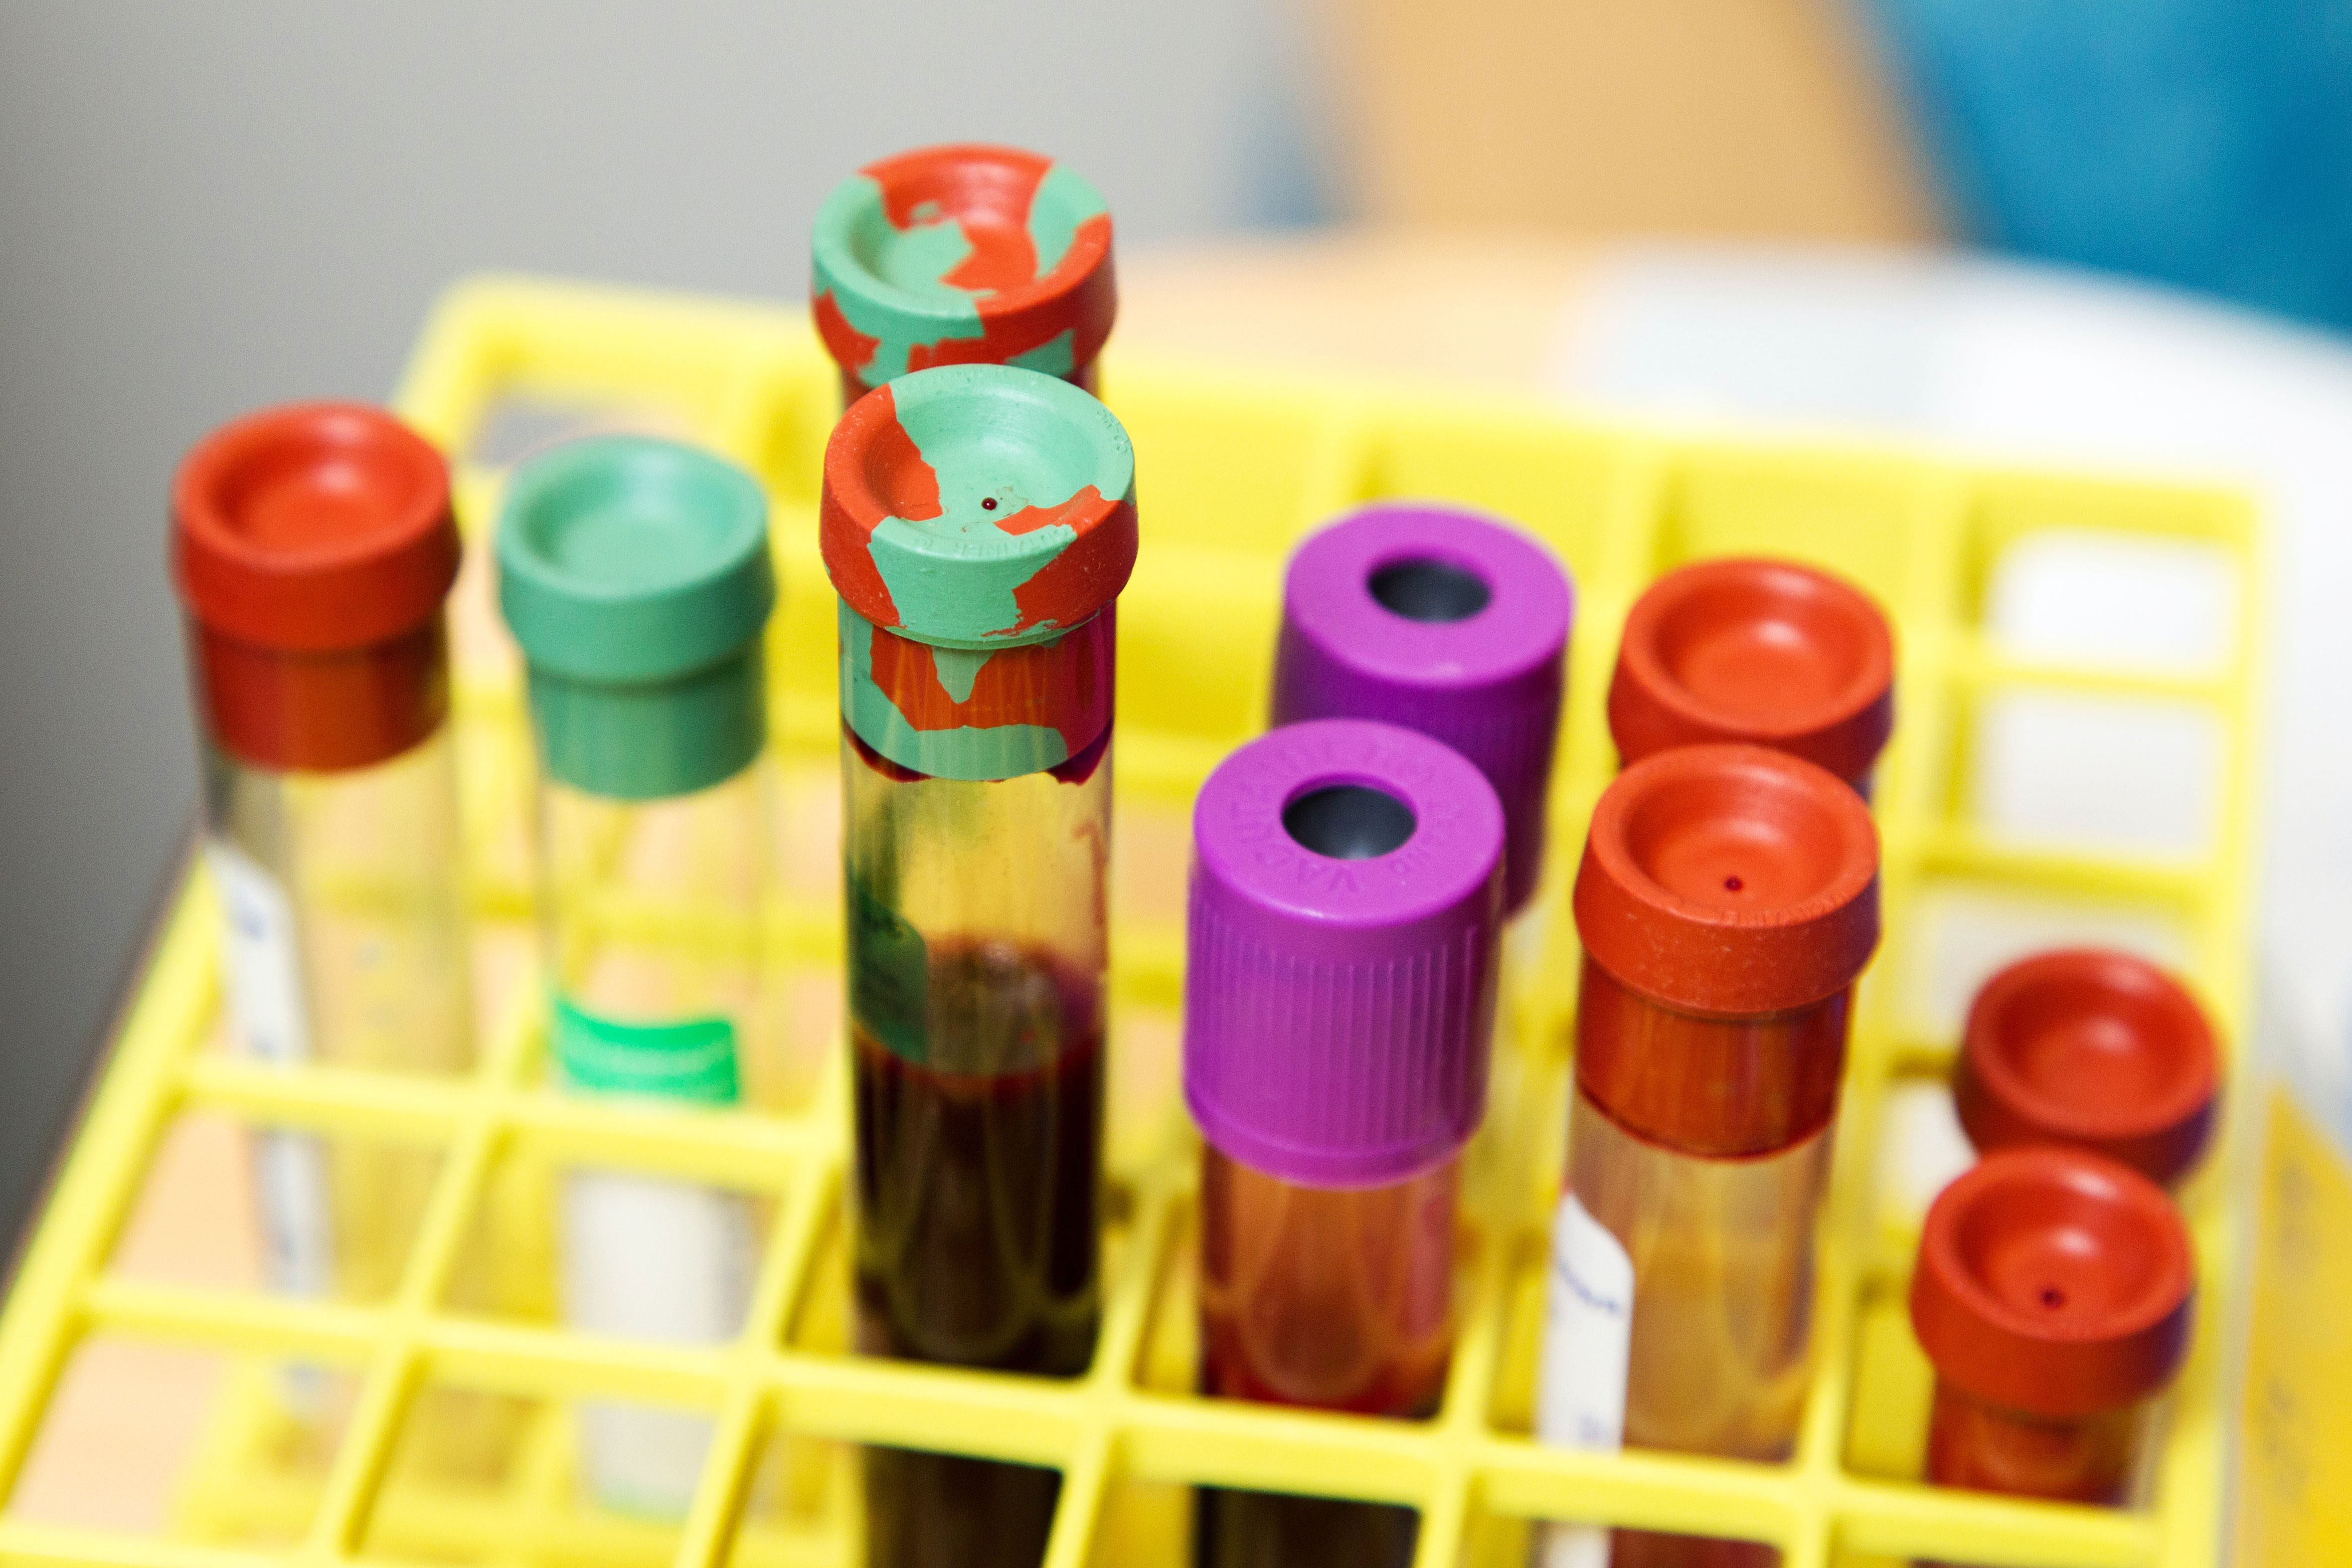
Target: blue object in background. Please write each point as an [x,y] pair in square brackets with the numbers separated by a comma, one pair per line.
[2201,143]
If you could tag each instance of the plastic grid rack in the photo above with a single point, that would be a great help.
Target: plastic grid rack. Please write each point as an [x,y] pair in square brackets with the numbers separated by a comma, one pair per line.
[1233,469]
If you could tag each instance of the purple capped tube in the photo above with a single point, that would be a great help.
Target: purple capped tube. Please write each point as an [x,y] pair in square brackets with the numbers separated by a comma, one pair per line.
[1339,996]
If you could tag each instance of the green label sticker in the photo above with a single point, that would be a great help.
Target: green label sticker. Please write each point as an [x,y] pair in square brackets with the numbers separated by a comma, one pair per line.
[889,976]
[692,1060]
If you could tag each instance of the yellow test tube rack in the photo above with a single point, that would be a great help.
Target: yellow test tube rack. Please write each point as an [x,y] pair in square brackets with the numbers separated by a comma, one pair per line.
[1233,469]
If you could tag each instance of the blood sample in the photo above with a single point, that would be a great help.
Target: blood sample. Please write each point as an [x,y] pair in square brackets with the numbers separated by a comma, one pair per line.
[1767,653]
[635,573]
[1339,995]
[1727,900]
[977,522]
[962,254]
[313,547]
[2054,1294]
[2093,1049]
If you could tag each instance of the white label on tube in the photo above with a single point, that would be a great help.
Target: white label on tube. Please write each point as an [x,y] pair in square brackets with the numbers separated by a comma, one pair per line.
[1573,1546]
[1588,1334]
[1587,1347]
[261,960]
[298,1245]
[261,966]
[648,1258]
[290,1170]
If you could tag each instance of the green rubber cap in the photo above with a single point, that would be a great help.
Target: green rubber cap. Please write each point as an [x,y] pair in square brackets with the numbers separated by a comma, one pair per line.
[635,573]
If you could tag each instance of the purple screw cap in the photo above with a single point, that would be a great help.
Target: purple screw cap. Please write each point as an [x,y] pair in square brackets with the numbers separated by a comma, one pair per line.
[1339,978]
[1445,621]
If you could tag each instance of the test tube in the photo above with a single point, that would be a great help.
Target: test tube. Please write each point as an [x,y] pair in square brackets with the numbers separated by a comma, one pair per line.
[977,522]
[2053,1293]
[2092,1049]
[961,255]
[1727,900]
[1453,623]
[635,573]
[313,546]
[1764,653]
[1339,996]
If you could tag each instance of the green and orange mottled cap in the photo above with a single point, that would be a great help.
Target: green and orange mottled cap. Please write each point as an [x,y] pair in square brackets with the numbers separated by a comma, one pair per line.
[635,574]
[962,254]
[978,507]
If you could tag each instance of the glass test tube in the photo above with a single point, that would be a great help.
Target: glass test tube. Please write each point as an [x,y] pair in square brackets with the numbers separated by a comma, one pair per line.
[1453,623]
[1765,653]
[961,255]
[2091,1049]
[977,522]
[1335,860]
[634,574]
[1727,900]
[313,546]
[2053,1293]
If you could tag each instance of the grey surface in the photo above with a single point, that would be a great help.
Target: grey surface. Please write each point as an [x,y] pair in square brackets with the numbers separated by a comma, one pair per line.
[204,208]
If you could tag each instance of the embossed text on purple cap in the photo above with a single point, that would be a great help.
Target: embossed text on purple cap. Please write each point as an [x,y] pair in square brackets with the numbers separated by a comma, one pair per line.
[1339,978]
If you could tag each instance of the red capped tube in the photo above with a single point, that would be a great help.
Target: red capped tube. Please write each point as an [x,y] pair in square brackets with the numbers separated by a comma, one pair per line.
[312,547]
[1728,900]
[2053,1293]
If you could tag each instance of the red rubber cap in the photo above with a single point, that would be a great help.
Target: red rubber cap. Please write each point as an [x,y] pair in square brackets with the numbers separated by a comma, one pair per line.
[312,527]
[2094,1049]
[1765,652]
[1730,880]
[313,546]
[2055,1283]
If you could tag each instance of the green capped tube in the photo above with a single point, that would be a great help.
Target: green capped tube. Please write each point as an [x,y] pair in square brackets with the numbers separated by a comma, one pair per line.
[635,574]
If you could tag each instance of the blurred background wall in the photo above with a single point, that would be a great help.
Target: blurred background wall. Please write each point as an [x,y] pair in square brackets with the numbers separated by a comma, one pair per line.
[1737,119]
